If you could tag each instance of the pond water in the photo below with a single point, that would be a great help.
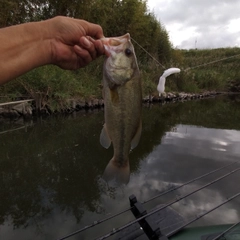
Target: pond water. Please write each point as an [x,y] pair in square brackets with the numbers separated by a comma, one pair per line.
[50,168]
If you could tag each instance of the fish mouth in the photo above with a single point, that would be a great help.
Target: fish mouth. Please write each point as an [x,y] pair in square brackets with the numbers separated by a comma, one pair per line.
[113,44]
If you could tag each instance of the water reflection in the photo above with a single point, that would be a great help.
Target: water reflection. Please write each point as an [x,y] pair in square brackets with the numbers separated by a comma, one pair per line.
[204,142]
[187,152]
[51,170]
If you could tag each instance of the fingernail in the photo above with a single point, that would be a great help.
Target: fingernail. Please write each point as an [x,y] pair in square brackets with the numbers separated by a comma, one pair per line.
[86,42]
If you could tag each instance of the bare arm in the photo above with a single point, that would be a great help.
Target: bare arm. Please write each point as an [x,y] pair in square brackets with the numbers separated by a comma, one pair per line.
[66,42]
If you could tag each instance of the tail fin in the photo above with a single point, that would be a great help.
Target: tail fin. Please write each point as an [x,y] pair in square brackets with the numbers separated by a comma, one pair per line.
[117,174]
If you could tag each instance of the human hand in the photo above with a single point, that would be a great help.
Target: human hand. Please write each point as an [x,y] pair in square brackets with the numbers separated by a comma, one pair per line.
[74,43]
[66,42]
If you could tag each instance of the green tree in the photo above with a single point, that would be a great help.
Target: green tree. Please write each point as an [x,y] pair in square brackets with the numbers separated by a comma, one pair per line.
[116,17]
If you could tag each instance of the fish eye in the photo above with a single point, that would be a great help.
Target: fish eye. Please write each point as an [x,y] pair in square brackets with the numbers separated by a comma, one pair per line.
[128,52]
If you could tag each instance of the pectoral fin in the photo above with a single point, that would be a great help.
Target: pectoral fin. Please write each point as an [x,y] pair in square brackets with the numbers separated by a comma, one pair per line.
[137,136]
[104,137]
[114,96]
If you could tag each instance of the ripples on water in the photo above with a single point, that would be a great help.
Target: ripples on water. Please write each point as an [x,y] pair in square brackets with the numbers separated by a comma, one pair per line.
[51,169]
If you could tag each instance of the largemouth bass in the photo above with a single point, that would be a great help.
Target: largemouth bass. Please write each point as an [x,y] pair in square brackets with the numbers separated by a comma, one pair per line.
[122,96]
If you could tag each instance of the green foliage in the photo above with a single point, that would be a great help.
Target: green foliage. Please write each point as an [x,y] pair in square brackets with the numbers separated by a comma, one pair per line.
[12,12]
[206,69]
[52,87]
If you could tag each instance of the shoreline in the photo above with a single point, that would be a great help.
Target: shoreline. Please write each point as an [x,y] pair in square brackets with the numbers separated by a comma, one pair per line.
[27,110]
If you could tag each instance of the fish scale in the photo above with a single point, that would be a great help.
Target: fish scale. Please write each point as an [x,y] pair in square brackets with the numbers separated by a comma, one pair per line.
[122,95]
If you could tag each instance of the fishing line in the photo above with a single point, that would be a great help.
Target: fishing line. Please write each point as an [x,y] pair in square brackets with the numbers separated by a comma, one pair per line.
[205,64]
[170,190]
[202,215]
[122,212]
[190,68]
[148,53]
[226,231]
[114,231]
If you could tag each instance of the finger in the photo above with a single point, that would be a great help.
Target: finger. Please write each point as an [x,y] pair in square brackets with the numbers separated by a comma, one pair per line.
[84,55]
[99,47]
[88,45]
[93,30]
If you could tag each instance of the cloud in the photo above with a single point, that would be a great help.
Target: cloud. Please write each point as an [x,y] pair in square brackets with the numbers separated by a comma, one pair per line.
[199,23]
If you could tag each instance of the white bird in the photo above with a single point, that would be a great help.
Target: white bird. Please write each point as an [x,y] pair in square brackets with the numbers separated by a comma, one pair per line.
[162,79]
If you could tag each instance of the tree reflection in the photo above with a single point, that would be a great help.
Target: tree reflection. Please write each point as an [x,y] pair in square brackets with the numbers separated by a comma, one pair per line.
[54,163]
[58,162]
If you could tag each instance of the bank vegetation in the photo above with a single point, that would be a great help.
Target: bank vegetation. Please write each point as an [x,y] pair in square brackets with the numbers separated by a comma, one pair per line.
[52,87]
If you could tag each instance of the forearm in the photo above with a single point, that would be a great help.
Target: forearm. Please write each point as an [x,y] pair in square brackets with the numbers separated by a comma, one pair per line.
[66,42]
[22,48]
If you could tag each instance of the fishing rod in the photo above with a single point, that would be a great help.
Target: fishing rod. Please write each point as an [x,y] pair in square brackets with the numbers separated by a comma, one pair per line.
[126,210]
[167,205]
[94,224]
[191,181]
[202,215]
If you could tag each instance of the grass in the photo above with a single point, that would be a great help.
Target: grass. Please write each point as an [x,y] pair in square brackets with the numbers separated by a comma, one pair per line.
[54,86]
[204,75]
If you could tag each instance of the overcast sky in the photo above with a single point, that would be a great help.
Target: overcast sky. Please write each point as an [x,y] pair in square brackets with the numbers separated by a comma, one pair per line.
[199,23]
